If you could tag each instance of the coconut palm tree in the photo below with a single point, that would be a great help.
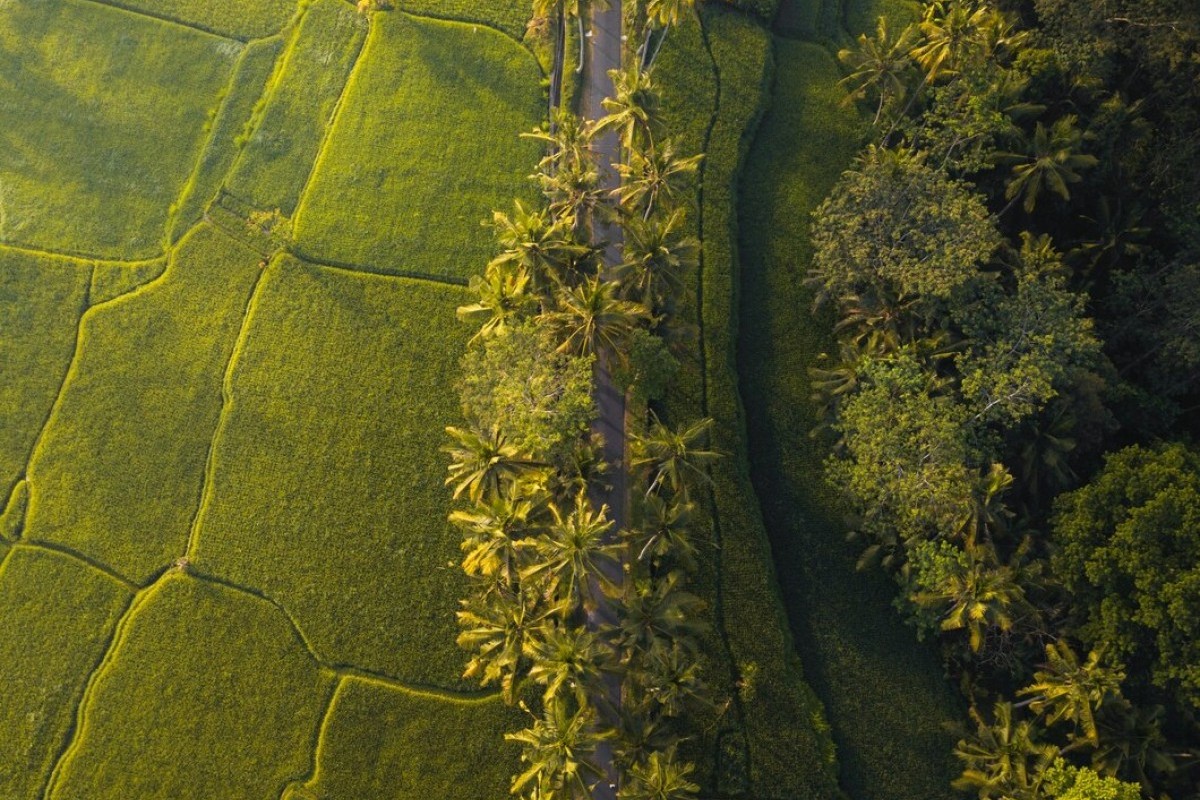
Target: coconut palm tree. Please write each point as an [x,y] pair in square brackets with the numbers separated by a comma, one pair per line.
[634,110]
[651,174]
[536,244]
[568,660]
[662,15]
[500,630]
[569,142]
[978,596]
[656,614]
[664,536]
[952,36]
[482,464]
[559,748]
[1004,758]
[673,456]
[504,299]
[491,531]
[591,318]
[1065,689]
[879,66]
[661,776]
[571,554]
[574,193]
[1050,160]
[657,256]
[671,679]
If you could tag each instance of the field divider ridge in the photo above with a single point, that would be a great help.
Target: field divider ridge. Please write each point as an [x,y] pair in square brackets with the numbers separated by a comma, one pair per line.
[72,553]
[163,18]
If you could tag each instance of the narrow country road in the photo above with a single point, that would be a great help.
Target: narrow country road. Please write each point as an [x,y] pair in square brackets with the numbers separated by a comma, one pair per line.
[603,53]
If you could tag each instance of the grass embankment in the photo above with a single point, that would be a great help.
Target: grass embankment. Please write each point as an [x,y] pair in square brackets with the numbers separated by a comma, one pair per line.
[102,123]
[237,19]
[427,139]
[885,695]
[295,115]
[58,617]
[435,747]
[205,693]
[112,279]
[118,472]
[782,748]
[41,300]
[510,16]
[227,133]
[326,485]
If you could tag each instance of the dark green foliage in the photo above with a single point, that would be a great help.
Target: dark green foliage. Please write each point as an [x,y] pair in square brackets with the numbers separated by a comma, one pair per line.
[885,696]
[273,169]
[390,157]
[59,615]
[118,472]
[1128,550]
[783,757]
[41,301]
[227,133]
[205,692]
[437,746]
[103,119]
[326,473]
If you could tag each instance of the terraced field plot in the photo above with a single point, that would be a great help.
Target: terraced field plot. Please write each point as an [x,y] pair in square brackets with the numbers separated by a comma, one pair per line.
[223,553]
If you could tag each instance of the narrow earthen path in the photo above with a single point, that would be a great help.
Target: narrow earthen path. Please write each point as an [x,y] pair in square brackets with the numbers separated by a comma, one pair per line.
[602,54]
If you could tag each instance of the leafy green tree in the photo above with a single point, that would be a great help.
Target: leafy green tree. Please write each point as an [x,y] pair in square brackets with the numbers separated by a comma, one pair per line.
[504,300]
[664,535]
[1023,345]
[652,174]
[491,531]
[568,661]
[570,554]
[536,245]
[1128,551]
[1050,159]
[591,319]
[500,629]
[516,381]
[656,614]
[1065,782]
[559,750]
[657,256]
[634,110]
[1066,690]
[894,230]
[484,465]
[953,32]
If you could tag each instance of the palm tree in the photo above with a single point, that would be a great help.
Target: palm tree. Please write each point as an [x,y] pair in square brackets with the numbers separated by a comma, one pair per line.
[1131,742]
[651,174]
[570,141]
[633,110]
[501,630]
[591,318]
[571,554]
[662,15]
[1065,689]
[672,456]
[952,31]
[558,749]
[1051,160]
[664,535]
[671,678]
[491,531]
[1005,758]
[655,614]
[879,66]
[504,300]
[980,595]
[568,661]
[657,256]
[534,243]
[574,192]
[661,776]
[483,464]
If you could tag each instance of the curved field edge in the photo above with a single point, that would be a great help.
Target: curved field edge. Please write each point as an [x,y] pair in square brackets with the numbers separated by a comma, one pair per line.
[787,749]
[885,694]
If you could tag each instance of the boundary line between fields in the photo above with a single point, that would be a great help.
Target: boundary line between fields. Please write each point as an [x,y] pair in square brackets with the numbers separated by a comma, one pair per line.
[192,26]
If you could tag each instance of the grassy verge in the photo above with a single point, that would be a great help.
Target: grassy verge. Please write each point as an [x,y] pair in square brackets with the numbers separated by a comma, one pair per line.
[380,741]
[41,300]
[326,485]
[226,136]
[206,693]
[118,472]
[111,280]
[238,19]
[781,748]
[58,617]
[427,140]
[271,171]
[885,695]
[103,118]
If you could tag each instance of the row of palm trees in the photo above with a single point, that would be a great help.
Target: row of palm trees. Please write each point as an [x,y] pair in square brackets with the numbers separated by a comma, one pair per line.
[539,555]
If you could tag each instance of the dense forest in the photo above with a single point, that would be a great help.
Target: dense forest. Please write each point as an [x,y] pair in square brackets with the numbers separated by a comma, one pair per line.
[1012,267]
